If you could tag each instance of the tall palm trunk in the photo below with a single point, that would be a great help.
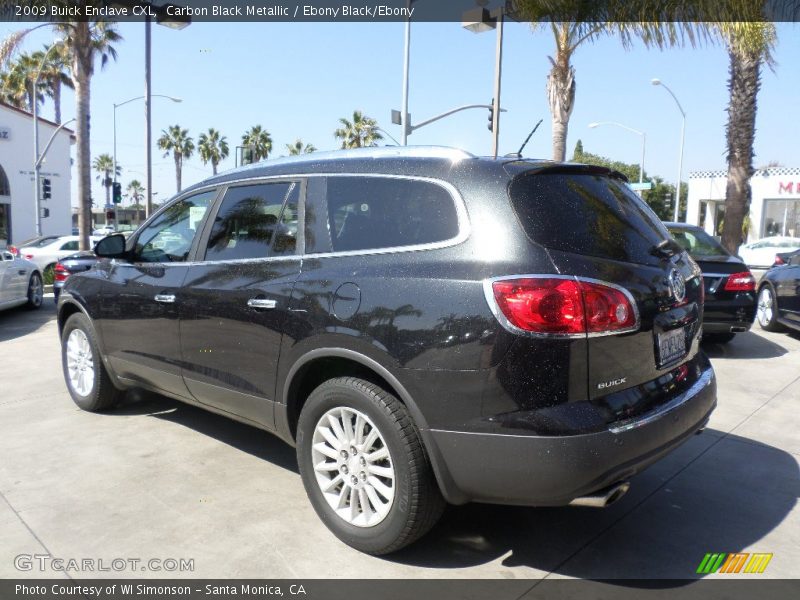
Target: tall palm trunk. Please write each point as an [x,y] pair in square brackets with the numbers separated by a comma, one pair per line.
[561,97]
[214,167]
[57,100]
[107,185]
[744,83]
[82,74]
[178,161]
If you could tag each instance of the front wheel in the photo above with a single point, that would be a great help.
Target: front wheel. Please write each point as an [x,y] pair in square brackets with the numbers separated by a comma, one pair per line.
[87,380]
[35,291]
[364,466]
[767,311]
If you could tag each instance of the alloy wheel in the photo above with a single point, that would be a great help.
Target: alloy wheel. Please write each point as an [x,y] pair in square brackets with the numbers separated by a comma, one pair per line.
[80,362]
[353,466]
[764,312]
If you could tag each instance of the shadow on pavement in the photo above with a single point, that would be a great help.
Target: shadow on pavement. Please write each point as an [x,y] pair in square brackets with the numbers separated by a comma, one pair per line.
[20,321]
[731,497]
[243,437]
[745,345]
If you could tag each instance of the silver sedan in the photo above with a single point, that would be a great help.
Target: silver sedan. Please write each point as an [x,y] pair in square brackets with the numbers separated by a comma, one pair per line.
[20,282]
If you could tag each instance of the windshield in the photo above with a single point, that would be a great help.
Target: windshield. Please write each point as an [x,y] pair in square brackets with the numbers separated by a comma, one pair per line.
[697,242]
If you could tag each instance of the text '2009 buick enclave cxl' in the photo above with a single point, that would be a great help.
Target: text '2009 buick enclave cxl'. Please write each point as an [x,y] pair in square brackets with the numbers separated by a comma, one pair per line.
[424,325]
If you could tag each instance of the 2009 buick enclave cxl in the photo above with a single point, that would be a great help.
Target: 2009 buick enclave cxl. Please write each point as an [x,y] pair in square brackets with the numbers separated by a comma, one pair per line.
[424,325]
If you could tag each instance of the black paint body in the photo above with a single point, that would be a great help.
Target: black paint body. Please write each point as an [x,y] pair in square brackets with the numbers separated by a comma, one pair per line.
[505,418]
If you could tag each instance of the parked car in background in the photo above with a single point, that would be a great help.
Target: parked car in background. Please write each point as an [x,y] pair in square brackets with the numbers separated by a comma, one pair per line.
[761,254]
[422,324]
[37,241]
[104,230]
[47,252]
[20,282]
[783,258]
[779,296]
[69,265]
[730,288]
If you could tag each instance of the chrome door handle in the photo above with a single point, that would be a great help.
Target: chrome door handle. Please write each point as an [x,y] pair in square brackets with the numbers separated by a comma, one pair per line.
[261,303]
[165,298]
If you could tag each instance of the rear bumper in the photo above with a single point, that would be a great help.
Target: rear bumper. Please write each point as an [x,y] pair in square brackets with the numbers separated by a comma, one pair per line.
[552,471]
[724,316]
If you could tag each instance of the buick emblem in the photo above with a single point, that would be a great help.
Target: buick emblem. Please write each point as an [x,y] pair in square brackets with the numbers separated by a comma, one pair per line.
[677,285]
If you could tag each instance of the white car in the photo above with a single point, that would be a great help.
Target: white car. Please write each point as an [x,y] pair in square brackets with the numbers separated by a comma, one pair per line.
[761,254]
[104,231]
[46,252]
[20,282]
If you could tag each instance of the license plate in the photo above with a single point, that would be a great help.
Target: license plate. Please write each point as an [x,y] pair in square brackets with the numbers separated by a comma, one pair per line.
[671,345]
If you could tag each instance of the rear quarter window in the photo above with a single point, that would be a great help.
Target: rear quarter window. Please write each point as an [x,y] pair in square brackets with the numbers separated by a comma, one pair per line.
[368,213]
[587,213]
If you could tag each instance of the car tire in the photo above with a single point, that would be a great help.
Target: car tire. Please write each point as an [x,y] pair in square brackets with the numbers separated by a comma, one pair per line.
[767,310]
[378,459]
[35,291]
[718,338]
[87,380]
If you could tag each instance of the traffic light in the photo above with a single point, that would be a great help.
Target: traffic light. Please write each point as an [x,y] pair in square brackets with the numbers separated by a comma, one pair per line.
[47,191]
[110,214]
[667,201]
[117,192]
[491,117]
[45,213]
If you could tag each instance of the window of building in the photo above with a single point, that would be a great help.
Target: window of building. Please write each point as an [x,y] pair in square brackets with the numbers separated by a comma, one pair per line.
[5,187]
[781,217]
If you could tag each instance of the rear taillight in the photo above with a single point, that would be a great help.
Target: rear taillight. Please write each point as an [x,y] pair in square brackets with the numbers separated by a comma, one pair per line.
[60,272]
[28,256]
[741,282]
[779,260]
[14,250]
[554,306]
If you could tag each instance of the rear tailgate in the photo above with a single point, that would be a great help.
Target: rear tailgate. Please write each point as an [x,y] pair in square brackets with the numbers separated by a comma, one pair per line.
[595,227]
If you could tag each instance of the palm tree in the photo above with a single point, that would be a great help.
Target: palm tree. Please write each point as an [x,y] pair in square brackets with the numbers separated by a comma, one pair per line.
[573,27]
[213,148]
[84,41]
[299,148]
[104,165]
[54,76]
[176,140]
[259,142]
[135,192]
[18,83]
[749,46]
[361,132]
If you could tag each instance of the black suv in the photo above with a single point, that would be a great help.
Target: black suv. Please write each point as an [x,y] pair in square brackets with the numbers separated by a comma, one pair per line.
[424,325]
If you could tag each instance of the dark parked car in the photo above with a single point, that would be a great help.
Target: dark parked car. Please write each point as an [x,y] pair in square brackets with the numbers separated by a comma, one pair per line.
[730,288]
[784,258]
[69,265]
[424,325]
[779,295]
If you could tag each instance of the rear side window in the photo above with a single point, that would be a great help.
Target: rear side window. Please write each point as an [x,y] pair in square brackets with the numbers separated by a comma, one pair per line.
[587,213]
[251,218]
[368,213]
[70,246]
[697,242]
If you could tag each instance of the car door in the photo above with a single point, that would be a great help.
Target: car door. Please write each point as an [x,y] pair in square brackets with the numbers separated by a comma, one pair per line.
[142,295]
[236,298]
[788,291]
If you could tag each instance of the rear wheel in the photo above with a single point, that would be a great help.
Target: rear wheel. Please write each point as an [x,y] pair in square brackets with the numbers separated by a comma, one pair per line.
[87,380]
[35,291]
[767,311]
[364,466]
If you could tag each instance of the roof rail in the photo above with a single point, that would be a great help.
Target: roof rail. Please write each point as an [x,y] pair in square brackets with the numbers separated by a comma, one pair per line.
[445,152]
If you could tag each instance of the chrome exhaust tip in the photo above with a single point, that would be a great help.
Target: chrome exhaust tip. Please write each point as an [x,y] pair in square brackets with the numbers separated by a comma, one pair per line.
[738,329]
[604,497]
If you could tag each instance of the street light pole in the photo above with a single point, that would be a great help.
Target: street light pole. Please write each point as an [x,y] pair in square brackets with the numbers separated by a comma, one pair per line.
[636,131]
[680,156]
[498,75]
[36,160]
[406,65]
[148,135]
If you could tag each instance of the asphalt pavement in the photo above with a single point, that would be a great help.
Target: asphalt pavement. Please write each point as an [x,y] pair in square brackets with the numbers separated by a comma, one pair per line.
[156,479]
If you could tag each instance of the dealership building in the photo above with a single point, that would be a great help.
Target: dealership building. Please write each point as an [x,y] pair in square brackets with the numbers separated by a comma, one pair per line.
[774,208]
[17,201]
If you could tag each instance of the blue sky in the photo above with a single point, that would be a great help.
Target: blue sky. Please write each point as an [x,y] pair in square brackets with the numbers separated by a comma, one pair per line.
[296,80]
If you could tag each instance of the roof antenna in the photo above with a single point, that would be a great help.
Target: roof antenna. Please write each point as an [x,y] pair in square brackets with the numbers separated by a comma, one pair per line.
[518,153]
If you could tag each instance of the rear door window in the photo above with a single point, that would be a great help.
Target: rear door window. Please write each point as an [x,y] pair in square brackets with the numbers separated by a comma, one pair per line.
[587,213]
[368,213]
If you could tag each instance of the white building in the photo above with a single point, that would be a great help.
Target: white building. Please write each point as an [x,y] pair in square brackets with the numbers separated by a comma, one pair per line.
[17,202]
[774,209]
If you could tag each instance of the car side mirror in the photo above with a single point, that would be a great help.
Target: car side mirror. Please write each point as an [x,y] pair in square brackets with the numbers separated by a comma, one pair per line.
[112,246]
[7,256]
